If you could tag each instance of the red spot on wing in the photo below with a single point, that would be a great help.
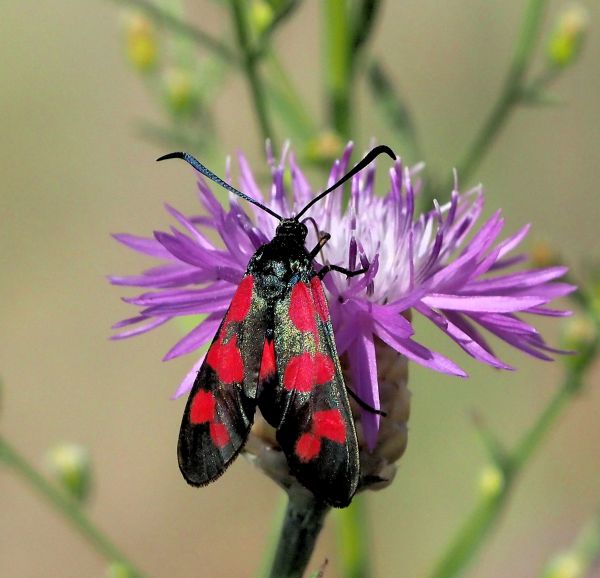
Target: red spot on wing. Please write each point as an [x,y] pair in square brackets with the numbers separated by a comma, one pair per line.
[326,424]
[240,304]
[319,298]
[302,309]
[308,447]
[304,371]
[226,360]
[267,364]
[299,373]
[329,424]
[202,409]
[219,434]
[323,368]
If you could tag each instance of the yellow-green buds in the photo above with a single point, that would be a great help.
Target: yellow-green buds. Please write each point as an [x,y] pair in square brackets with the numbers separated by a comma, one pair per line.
[580,337]
[180,90]
[565,566]
[580,557]
[141,43]
[325,148]
[70,465]
[491,481]
[260,16]
[568,36]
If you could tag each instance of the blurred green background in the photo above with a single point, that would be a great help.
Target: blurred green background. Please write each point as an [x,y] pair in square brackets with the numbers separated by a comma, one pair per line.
[74,169]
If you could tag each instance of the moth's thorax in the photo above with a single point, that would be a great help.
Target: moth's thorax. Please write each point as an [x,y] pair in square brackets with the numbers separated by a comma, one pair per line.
[290,228]
[282,261]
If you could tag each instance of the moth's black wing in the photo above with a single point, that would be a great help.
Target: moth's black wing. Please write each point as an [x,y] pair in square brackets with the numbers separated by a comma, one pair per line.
[309,407]
[221,405]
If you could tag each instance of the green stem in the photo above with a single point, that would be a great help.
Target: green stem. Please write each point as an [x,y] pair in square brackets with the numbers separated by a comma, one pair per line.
[338,65]
[362,24]
[537,433]
[471,537]
[250,61]
[353,539]
[66,506]
[199,36]
[302,524]
[511,92]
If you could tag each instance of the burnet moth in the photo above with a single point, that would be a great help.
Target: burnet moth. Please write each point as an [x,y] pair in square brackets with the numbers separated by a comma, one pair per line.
[275,349]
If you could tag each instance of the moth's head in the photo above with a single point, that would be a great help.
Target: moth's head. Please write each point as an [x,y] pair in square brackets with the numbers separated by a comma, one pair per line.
[292,228]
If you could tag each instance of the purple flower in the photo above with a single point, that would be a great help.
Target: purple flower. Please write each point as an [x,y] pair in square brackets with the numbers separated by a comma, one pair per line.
[442,264]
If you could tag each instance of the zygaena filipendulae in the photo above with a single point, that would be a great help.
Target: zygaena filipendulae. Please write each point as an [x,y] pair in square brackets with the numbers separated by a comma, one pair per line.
[275,349]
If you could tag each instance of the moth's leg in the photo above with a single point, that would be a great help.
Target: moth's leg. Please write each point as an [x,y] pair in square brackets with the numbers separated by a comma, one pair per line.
[347,272]
[364,404]
[322,240]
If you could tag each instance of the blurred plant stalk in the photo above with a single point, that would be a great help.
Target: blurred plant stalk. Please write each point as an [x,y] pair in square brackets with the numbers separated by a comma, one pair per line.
[498,478]
[68,505]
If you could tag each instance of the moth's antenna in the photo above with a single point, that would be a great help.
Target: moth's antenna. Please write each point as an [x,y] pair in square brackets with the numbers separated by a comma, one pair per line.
[208,173]
[369,158]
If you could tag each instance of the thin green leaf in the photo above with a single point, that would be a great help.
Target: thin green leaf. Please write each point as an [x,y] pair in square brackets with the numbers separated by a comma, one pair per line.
[338,66]
[363,23]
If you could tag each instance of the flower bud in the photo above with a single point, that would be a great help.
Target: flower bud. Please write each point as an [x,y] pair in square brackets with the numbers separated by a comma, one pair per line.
[565,566]
[325,148]
[491,481]
[569,34]
[579,336]
[260,16]
[70,465]
[180,90]
[141,44]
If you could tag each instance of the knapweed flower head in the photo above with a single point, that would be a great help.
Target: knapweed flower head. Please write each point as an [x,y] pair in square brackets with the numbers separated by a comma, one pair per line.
[445,265]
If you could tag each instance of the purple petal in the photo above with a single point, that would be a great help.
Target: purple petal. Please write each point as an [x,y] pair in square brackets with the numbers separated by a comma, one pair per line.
[183,249]
[464,340]
[523,342]
[152,324]
[363,366]
[511,242]
[497,303]
[202,241]
[205,303]
[188,381]
[143,245]
[197,337]
[183,296]
[547,311]
[520,280]
[416,351]
[164,276]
